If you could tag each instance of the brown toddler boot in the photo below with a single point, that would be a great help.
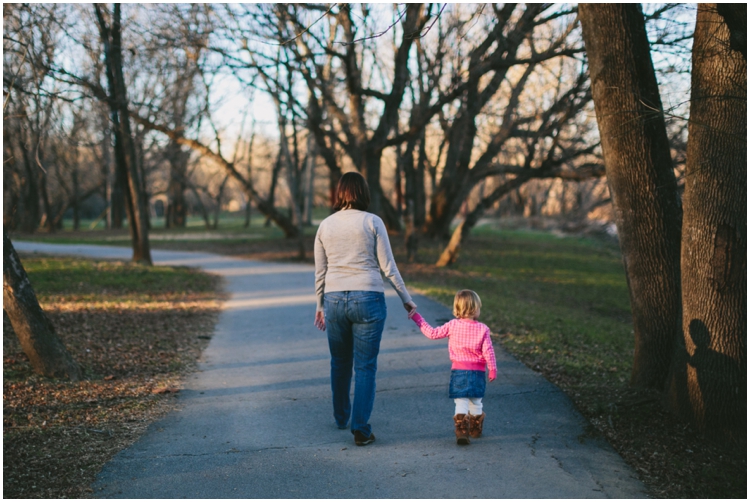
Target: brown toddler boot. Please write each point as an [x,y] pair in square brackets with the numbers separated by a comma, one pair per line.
[475,425]
[461,422]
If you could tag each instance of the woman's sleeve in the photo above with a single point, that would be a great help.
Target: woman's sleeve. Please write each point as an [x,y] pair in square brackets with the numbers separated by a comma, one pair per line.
[321,267]
[386,261]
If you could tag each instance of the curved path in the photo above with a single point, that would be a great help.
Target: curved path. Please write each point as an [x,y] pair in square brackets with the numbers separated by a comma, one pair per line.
[256,419]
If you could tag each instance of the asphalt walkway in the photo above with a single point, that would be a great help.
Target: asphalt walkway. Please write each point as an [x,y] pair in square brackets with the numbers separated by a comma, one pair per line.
[256,420]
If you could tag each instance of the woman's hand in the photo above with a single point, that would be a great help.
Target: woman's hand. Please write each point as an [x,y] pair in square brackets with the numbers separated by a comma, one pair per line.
[320,320]
[410,307]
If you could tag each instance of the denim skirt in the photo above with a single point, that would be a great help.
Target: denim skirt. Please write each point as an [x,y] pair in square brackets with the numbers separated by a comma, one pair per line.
[467,383]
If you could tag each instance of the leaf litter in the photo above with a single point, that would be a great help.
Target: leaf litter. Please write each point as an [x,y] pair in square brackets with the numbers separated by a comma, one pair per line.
[135,343]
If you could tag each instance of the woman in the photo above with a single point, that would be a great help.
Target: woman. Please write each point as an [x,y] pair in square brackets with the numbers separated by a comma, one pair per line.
[351,249]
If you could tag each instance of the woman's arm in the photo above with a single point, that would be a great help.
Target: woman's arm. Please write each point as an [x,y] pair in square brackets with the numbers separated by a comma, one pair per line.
[321,268]
[387,263]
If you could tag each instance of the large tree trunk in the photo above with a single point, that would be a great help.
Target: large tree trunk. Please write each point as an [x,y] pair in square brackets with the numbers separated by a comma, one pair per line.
[709,383]
[641,179]
[46,352]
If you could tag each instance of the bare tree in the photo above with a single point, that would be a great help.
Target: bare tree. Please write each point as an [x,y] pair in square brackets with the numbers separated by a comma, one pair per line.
[126,156]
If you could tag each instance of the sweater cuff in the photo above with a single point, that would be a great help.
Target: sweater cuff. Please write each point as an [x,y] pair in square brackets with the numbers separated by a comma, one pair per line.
[418,319]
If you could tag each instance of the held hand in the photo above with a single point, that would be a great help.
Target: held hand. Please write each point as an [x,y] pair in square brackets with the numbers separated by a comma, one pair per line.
[320,320]
[411,308]
[412,314]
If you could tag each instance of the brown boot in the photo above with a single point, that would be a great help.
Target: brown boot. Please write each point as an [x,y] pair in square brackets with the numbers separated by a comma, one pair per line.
[475,425]
[461,422]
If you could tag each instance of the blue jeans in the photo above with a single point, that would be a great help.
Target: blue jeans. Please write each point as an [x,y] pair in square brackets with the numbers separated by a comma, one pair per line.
[354,322]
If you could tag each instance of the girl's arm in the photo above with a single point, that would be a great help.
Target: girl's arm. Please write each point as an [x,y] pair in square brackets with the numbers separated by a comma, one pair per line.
[488,352]
[429,331]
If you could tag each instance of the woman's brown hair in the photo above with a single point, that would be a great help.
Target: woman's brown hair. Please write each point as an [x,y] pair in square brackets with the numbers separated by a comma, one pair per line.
[352,192]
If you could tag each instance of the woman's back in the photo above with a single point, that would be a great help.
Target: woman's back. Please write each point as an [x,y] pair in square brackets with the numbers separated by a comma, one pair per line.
[351,249]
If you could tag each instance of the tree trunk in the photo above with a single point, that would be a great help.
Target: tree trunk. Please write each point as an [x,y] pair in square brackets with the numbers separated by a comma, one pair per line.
[379,203]
[219,197]
[709,381]
[46,352]
[125,150]
[292,174]
[176,216]
[76,200]
[272,190]
[106,166]
[30,214]
[48,216]
[248,213]
[310,180]
[641,179]
[117,195]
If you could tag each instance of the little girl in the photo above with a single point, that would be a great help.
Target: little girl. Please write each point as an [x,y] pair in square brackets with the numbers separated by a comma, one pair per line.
[470,350]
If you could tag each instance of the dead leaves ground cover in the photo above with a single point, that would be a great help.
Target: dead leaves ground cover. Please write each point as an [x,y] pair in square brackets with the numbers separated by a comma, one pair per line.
[135,331]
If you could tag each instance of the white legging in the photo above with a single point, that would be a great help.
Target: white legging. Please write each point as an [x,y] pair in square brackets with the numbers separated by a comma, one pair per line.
[472,405]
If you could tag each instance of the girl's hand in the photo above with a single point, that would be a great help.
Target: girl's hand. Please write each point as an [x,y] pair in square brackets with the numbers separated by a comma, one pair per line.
[411,308]
[412,313]
[320,320]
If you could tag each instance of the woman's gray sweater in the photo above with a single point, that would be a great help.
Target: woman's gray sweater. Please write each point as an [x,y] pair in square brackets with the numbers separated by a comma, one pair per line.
[351,250]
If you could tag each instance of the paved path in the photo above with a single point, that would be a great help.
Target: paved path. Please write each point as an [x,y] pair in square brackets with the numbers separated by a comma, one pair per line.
[256,419]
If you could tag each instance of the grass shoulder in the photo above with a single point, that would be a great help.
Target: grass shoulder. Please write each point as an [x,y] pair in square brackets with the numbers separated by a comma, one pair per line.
[136,331]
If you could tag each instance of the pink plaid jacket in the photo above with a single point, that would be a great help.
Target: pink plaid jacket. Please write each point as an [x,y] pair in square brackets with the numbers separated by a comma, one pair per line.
[469,343]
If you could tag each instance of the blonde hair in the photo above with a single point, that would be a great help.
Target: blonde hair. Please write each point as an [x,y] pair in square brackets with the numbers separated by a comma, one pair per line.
[466,304]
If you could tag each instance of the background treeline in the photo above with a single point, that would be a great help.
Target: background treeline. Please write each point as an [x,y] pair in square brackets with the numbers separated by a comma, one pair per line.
[449,110]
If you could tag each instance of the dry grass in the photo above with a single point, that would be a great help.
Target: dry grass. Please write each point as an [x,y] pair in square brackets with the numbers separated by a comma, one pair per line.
[135,331]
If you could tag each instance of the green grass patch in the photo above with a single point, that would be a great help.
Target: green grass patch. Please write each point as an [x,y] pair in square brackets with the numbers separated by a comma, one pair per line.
[76,279]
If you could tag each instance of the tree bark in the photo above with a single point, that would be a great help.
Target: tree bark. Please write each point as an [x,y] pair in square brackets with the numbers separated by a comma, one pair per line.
[709,381]
[45,350]
[641,179]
